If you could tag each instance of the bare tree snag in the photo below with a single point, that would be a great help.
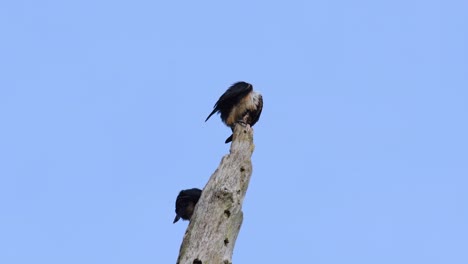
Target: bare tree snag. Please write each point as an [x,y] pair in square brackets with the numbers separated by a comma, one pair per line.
[216,221]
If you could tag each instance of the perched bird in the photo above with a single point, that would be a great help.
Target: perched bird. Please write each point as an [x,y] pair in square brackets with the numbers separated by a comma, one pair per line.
[185,203]
[239,104]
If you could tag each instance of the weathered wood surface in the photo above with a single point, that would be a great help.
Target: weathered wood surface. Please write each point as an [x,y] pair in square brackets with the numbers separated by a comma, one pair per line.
[216,222]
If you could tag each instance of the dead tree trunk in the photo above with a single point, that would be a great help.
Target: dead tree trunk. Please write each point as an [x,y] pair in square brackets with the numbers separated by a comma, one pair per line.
[216,221]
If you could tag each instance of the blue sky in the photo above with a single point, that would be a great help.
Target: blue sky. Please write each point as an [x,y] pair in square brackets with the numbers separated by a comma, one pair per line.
[361,152]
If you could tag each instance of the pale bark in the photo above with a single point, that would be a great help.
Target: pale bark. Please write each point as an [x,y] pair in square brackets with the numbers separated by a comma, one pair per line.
[216,222]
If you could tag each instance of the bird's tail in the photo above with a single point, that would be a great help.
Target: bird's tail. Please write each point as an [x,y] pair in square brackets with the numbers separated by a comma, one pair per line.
[177,217]
[229,139]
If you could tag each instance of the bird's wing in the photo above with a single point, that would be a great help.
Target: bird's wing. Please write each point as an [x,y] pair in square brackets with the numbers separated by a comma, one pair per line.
[193,192]
[231,97]
[188,195]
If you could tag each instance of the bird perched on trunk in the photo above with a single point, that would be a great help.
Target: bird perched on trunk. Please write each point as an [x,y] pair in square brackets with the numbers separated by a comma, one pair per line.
[185,203]
[239,104]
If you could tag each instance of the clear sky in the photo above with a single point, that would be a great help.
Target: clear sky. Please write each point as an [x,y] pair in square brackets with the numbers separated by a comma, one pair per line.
[361,151]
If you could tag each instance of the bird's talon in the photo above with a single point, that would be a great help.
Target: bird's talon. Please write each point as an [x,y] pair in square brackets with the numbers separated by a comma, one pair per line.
[242,123]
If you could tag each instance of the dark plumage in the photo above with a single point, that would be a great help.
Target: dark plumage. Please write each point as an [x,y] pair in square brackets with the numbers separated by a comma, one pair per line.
[185,203]
[240,103]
